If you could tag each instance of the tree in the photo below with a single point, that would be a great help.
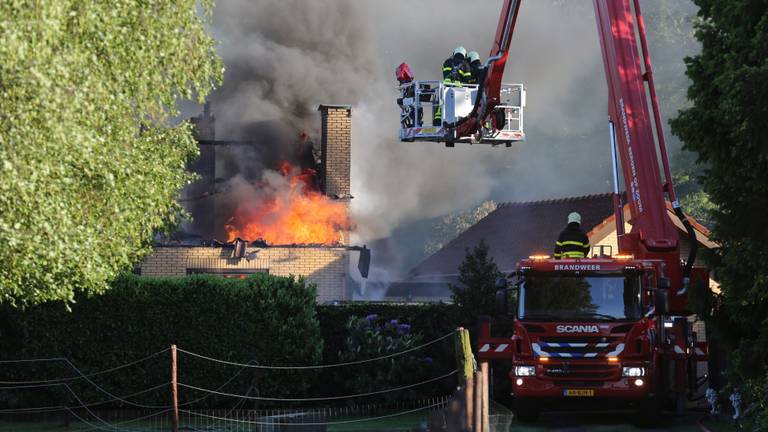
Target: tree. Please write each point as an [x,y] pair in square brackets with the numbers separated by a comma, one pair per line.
[90,164]
[672,37]
[477,275]
[450,226]
[725,126]
[693,198]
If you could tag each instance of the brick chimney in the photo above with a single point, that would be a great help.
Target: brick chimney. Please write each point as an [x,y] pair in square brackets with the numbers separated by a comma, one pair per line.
[336,147]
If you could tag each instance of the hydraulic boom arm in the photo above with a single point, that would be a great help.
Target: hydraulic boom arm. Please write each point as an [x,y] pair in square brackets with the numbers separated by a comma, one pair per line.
[639,149]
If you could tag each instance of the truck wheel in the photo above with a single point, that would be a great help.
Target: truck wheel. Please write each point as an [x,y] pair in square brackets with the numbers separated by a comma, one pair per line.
[526,411]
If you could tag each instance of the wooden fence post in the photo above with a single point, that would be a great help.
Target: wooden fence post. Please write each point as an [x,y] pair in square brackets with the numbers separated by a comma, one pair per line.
[484,333]
[465,365]
[485,406]
[477,424]
[469,402]
[174,393]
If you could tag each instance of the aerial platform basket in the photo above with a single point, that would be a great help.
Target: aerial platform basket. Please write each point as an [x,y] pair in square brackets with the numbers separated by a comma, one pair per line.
[427,106]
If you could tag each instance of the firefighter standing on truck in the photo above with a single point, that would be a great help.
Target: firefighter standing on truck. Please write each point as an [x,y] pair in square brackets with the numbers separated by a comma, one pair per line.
[572,242]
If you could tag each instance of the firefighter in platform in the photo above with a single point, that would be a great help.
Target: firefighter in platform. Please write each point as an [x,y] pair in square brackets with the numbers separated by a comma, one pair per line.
[455,72]
[475,68]
[456,68]
[572,242]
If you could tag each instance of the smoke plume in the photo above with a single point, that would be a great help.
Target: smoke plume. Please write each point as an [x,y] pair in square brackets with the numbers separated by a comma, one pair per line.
[285,57]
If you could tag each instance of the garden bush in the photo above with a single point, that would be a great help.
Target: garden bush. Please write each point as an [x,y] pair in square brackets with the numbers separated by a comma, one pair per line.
[264,319]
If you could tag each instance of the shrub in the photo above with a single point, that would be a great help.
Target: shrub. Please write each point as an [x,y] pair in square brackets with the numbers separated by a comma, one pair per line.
[373,337]
[265,319]
[359,331]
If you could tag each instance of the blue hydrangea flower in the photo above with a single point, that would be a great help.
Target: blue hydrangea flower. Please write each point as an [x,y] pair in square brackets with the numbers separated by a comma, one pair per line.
[403,329]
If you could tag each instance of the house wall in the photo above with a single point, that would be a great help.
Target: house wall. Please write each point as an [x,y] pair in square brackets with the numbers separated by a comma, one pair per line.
[325,267]
[608,237]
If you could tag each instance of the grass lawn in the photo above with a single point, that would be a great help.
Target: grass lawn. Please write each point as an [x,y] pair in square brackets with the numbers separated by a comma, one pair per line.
[31,426]
[517,427]
[406,422]
[58,426]
[399,423]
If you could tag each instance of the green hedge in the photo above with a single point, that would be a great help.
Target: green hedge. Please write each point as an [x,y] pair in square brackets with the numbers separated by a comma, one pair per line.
[267,319]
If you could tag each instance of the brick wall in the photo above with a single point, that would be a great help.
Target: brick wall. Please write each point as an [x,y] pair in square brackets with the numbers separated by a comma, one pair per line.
[326,267]
[336,145]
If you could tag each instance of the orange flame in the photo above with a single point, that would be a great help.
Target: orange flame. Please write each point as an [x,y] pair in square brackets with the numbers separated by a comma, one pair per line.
[291,213]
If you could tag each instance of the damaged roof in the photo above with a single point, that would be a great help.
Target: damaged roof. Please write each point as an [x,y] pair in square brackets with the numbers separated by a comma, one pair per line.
[516,230]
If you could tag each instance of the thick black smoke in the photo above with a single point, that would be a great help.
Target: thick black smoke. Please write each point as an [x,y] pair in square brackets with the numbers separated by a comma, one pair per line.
[282,59]
[285,57]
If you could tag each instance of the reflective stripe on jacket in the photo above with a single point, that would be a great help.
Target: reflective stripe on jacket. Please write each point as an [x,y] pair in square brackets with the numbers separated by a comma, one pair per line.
[572,243]
[455,70]
[476,71]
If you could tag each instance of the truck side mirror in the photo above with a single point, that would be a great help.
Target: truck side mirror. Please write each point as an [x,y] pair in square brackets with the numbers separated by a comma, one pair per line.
[502,300]
[661,301]
[501,283]
[502,294]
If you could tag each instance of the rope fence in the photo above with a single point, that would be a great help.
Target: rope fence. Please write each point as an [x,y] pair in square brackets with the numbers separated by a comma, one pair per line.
[80,374]
[130,413]
[321,366]
[326,398]
[317,417]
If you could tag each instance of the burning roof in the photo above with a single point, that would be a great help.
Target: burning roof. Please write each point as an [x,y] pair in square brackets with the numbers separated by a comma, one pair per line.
[287,207]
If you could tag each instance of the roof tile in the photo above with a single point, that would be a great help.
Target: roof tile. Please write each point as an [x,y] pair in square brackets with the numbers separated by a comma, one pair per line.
[516,230]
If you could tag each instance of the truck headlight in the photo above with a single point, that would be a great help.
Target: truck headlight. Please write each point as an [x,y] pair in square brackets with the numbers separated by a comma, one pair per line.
[525,371]
[632,371]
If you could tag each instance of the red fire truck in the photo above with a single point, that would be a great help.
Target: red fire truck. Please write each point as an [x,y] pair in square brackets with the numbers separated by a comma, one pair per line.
[606,328]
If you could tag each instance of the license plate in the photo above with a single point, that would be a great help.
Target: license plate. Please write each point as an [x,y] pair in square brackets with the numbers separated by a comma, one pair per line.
[579,392]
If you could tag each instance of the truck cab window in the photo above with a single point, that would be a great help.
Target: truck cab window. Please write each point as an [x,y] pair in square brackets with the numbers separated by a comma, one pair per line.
[580,298]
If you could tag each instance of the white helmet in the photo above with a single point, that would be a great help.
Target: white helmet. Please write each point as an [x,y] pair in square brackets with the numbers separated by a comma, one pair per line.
[574,217]
[472,56]
[460,50]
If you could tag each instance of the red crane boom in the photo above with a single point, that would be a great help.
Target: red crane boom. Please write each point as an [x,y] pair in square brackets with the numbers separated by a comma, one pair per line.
[639,150]
[611,327]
